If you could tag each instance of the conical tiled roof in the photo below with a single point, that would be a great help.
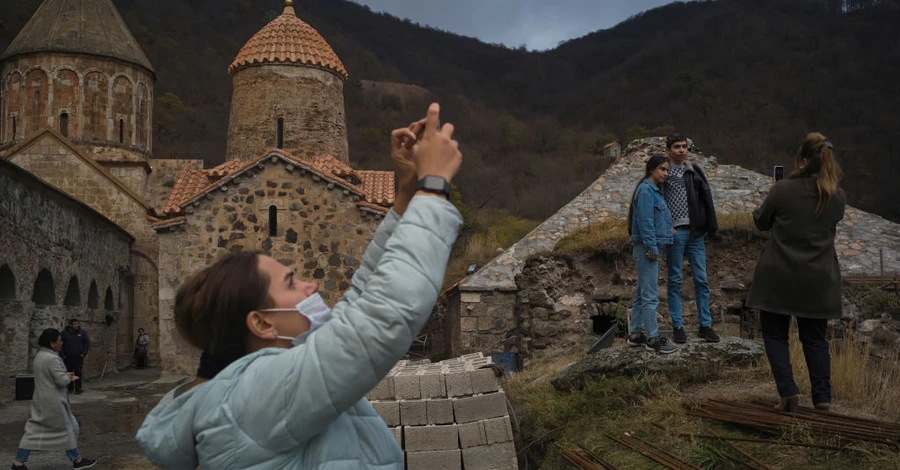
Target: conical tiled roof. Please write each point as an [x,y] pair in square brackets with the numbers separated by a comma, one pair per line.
[288,40]
[81,27]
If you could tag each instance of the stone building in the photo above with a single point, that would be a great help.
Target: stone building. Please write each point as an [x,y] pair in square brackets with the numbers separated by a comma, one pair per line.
[76,96]
[481,309]
[80,269]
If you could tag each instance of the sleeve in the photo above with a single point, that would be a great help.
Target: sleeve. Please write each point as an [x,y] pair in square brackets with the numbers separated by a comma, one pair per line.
[58,372]
[764,215]
[287,398]
[712,223]
[371,257]
[646,219]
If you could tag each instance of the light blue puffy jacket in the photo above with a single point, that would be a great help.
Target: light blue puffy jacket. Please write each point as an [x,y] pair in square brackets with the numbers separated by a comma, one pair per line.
[305,407]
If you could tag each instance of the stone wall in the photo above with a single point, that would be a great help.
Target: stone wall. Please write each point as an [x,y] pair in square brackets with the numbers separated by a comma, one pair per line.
[482,322]
[288,214]
[60,260]
[93,101]
[57,164]
[309,101]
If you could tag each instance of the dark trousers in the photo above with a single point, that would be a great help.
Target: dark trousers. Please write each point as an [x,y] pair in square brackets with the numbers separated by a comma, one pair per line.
[74,364]
[775,329]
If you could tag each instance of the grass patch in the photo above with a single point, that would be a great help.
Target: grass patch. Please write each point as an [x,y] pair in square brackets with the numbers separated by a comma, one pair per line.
[651,407]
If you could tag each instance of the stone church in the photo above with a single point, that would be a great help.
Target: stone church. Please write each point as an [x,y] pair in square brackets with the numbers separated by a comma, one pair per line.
[89,213]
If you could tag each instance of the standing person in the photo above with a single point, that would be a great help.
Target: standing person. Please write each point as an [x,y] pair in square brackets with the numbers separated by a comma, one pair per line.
[650,227]
[798,274]
[283,378]
[76,345]
[51,425]
[690,200]
[141,348]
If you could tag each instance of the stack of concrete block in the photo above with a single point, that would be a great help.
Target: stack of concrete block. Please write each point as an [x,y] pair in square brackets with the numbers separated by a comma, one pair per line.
[449,415]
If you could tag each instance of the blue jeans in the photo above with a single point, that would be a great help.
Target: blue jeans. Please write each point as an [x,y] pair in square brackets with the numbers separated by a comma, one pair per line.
[22,454]
[695,250]
[646,294]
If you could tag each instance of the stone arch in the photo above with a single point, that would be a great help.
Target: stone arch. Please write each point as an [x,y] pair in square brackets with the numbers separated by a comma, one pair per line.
[93,296]
[44,290]
[66,95]
[7,283]
[96,101]
[123,108]
[73,293]
[108,303]
[37,90]
[143,117]
[12,106]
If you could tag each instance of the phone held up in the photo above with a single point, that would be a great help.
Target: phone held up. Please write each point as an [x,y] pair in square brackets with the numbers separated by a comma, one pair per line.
[778,173]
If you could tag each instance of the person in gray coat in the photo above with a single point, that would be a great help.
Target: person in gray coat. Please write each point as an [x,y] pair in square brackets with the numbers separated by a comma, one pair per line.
[51,425]
[797,274]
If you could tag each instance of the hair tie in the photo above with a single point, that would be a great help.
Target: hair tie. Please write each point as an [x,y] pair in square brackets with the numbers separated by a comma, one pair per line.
[829,144]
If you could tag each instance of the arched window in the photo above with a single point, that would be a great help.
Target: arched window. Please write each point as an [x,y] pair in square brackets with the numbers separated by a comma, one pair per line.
[121,131]
[44,292]
[7,283]
[14,128]
[273,221]
[64,124]
[73,293]
[108,303]
[280,134]
[93,296]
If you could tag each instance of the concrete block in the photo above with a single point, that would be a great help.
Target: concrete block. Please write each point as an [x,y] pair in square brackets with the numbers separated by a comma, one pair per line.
[389,411]
[484,381]
[472,435]
[490,457]
[383,391]
[413,413]
[428,438]
[479,407]
[435,460]
[432,385]
[398,434]
[497,430]
[459,384]
[439,411]
[406,387]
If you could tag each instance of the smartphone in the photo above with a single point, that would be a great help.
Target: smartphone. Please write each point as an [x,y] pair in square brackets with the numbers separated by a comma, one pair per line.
[778,172]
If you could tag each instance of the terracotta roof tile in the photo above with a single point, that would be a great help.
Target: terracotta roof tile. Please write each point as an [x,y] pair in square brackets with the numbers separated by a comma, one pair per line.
[610,144]
[378,186]
[288,40]
[329,164]
[190,183]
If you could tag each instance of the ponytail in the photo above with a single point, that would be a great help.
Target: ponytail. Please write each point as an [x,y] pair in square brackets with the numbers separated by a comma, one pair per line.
[820,161]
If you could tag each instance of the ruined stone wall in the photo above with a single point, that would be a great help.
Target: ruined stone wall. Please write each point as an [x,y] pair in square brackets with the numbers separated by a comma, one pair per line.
[483,322]
[286,214]
[95,102]
[309,101]
[60,167]
[60,260]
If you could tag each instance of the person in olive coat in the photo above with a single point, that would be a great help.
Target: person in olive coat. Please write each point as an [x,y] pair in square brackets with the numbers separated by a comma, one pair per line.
[797,274]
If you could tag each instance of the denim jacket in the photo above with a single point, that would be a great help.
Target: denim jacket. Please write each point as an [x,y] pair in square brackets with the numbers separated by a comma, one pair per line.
[651,222]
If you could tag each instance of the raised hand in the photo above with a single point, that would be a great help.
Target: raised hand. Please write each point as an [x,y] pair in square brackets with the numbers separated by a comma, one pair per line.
[437,153]
[403,143]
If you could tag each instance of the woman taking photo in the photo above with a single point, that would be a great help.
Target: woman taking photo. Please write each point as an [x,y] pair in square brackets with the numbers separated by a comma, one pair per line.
[798,274]
[650,227]
[51,425]
[294,373]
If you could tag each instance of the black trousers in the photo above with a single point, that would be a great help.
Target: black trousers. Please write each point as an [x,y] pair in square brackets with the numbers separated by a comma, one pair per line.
[775,329]
[75,364]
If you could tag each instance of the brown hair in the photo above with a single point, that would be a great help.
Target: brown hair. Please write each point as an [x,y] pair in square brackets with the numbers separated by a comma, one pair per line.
[670,140]
[211,306]
[820,162]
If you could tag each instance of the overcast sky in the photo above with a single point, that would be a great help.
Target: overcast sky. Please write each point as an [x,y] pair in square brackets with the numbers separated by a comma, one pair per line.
[539,24]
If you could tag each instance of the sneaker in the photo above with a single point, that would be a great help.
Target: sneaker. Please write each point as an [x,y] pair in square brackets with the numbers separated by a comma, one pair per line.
[636,339]
[660,345]
[85,463]
[707,333]
[679,336]
[20,467]
[79,391]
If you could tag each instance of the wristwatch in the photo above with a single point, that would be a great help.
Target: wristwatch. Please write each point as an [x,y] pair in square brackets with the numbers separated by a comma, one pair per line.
[434,184]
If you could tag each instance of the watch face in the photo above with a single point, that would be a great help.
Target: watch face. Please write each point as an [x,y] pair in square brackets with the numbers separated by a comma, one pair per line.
[434,182]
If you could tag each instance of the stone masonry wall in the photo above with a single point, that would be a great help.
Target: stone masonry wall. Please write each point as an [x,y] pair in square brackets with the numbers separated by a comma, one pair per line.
[57,165]
[310,102]
[483,321]
[59,260]
[448,415]
[318,231]
[98,96]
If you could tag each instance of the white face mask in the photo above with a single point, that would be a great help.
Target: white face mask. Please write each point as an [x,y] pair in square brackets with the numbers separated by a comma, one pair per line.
[313,308]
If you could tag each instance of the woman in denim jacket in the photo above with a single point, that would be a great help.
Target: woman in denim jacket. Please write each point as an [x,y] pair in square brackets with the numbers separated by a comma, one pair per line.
[650,227]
